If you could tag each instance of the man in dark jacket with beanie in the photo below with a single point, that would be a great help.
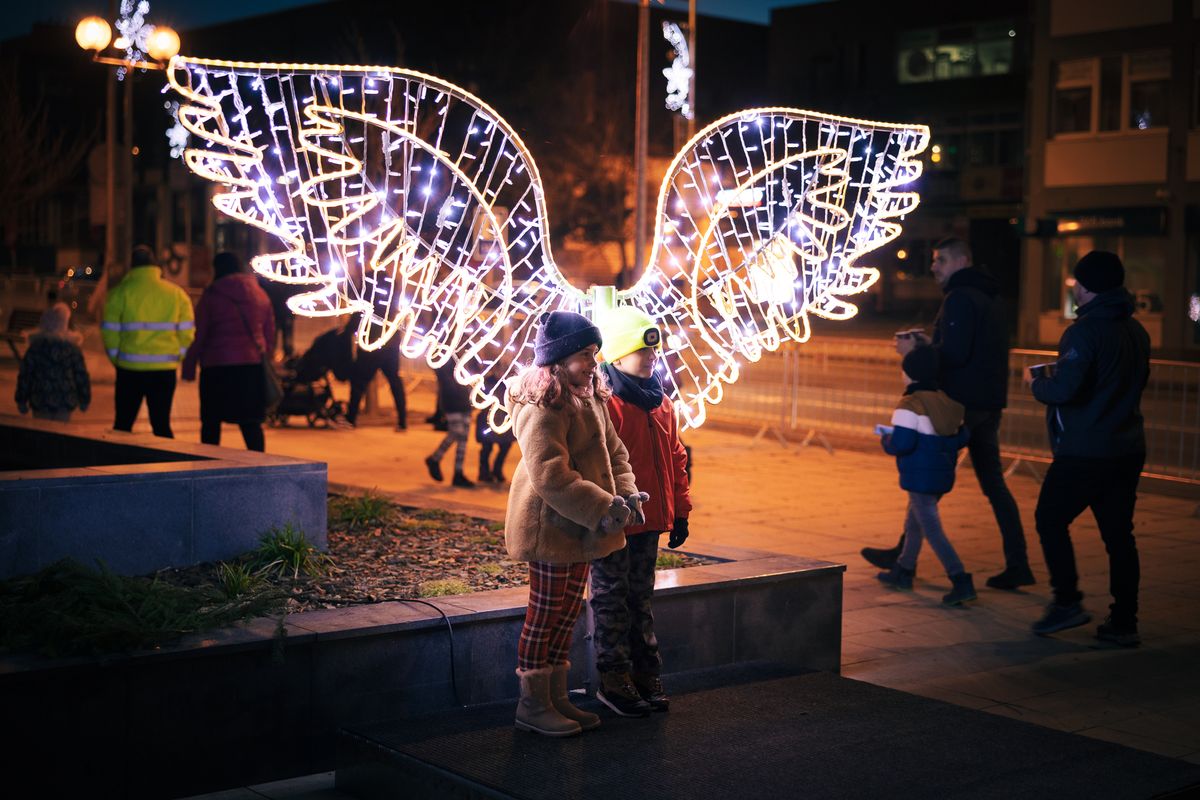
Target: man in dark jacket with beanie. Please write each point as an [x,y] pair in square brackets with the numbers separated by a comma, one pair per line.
[971,339]
[1093,395]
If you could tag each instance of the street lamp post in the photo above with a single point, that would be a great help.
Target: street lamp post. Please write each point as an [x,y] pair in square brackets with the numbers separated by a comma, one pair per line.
[94,33]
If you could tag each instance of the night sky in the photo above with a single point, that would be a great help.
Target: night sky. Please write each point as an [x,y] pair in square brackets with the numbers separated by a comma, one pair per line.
[183,14]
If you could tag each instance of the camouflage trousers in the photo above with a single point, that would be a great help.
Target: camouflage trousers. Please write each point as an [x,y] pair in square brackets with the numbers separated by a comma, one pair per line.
[621,586]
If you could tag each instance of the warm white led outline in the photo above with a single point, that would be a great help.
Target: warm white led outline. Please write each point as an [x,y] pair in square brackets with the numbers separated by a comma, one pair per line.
[721,296]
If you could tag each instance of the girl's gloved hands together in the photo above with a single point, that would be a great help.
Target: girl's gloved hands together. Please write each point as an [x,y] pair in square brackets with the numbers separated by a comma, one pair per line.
[634,501]
[617,516]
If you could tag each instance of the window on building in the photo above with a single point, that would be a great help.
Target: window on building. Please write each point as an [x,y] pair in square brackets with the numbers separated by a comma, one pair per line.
[1144,257]
[1117,93]
[1074,86]
[968,51]
[1110,93]
[1149,79]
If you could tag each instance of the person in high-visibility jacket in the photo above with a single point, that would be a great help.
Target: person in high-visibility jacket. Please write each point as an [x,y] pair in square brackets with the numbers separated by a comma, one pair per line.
[148,325]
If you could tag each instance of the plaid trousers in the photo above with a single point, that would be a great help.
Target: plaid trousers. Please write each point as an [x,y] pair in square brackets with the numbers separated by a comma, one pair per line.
[555,600]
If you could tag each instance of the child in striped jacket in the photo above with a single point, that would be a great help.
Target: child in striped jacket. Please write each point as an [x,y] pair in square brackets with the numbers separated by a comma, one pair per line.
[927,433]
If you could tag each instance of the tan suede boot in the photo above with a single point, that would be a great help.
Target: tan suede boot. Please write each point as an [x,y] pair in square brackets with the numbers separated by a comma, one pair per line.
[562,698]
[535,712]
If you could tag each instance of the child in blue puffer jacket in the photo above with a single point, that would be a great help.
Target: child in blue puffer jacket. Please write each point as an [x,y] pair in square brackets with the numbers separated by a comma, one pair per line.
[927,433]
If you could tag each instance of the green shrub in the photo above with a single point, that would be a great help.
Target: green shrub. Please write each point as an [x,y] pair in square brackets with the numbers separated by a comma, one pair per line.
[443,587]
[668,561]
[368,510]
[286,550]
[69,609]
[237,580]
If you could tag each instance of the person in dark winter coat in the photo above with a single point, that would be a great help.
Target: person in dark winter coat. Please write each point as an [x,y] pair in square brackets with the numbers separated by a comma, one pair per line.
[491,469]
[927,433]
[454,399]
[971,339]
[386,361]
[1093,410]
[53,380]
[567,506]
[627,653]
[234,328]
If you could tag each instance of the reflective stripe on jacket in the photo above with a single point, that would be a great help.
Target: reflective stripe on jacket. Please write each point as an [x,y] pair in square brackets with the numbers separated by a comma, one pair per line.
[148,322]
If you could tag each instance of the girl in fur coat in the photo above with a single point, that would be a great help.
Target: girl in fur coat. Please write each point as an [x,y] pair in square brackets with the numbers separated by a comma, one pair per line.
[571,497]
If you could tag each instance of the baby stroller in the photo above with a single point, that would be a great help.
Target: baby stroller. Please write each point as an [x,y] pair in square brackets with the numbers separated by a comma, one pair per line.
[307,390]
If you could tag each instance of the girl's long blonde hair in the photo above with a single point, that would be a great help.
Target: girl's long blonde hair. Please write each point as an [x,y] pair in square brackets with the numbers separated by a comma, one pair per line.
[547,386]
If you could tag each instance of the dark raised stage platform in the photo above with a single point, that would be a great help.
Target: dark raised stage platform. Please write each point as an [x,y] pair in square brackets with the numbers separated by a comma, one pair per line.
[754,734]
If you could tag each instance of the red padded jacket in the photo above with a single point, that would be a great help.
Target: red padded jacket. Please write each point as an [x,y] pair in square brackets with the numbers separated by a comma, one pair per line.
[658,459]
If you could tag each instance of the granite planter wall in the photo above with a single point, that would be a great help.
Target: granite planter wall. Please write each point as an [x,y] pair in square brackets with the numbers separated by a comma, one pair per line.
[244,706]
[141,503]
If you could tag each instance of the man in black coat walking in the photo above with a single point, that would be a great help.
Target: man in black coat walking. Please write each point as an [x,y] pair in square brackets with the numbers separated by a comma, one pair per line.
[971,338]
[1093,412]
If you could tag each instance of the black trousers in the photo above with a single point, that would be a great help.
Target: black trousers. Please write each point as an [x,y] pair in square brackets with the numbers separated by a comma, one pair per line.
[387,361]
[157,387]
[622,585]
[984,449]
[252,434]
[1108,486]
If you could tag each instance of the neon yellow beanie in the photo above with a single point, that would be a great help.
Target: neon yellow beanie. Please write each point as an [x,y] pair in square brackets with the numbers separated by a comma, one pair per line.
[625,329]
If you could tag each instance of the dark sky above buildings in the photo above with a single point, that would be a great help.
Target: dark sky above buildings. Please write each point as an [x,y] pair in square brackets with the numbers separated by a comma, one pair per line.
[19,17]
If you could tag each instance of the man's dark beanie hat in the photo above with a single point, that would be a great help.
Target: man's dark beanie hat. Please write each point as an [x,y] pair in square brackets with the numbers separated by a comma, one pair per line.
[1099,271]
[561,333]
[921,364]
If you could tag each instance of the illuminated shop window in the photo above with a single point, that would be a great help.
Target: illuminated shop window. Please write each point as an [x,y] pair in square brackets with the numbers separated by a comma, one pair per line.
[968,51]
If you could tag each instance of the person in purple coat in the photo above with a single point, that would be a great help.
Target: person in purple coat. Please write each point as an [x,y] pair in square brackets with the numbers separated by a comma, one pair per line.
[234,327]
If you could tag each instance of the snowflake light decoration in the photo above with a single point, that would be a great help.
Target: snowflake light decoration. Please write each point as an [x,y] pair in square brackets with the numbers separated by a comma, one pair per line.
[133,30]
[405,199]
[679,74]
[177,135]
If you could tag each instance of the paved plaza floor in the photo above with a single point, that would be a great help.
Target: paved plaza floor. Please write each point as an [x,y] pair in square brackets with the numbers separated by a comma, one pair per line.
[804,501]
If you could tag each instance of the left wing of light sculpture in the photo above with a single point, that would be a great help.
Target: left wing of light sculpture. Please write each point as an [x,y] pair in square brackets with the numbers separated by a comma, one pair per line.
[405,199]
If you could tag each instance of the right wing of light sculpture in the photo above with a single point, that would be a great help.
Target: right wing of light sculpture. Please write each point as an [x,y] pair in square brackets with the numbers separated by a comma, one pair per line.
[760,221]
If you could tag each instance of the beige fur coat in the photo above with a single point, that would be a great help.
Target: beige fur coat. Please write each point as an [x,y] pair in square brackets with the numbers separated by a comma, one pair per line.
[572,465]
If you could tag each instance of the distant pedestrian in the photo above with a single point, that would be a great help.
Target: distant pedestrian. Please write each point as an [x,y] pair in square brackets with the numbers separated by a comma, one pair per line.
[147,327]
[234,329]
[385,360]
[1093,411]
[628,658]
[53,379]
[491,468]
[454,399]
[927,433]
[566,507]
[284,317]
[971,340]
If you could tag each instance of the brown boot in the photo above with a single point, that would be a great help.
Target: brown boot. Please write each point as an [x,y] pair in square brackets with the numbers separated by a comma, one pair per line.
[535,712]
[562,700]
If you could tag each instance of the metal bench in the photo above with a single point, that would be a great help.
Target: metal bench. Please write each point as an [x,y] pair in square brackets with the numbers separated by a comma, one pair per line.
[19,321]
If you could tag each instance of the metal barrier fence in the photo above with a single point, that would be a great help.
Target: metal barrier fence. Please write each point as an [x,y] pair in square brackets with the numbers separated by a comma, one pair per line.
[844,387]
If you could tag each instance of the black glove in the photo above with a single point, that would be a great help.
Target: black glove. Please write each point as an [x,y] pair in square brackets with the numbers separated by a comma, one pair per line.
[679,533]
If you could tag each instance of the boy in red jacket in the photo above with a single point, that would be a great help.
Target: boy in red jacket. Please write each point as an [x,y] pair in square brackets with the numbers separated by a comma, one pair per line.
[622,583]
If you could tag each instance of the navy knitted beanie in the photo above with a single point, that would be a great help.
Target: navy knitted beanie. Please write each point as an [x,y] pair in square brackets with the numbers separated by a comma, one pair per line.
[921,365]
[1099,271]
[561,333]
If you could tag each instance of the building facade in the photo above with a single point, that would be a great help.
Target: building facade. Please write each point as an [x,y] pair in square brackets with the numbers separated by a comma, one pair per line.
[1114,161]
[961,69]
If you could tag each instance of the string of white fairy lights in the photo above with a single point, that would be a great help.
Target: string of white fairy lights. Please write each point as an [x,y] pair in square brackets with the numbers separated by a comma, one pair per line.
[405,199]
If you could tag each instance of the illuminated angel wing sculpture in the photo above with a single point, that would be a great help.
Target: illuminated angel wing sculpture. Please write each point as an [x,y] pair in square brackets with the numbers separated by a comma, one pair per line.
[404,198]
